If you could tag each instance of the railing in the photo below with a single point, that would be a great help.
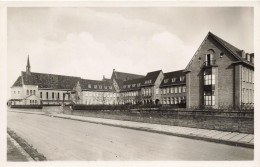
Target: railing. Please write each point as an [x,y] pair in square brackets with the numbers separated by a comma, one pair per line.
[209,63]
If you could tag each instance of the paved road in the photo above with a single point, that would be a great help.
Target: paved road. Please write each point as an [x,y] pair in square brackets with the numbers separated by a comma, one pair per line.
[63,139]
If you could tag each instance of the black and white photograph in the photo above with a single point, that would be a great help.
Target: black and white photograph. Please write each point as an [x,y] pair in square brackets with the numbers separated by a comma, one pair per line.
[111,83]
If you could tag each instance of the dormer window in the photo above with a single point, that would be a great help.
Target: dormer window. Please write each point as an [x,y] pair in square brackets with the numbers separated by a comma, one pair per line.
[124,86]
[138,85]
[133,85]
[100,86]
[165,80]
[95,86]
[174,79]
[110,87]
[105,87]
[89,85]
[182,78]
[129,86]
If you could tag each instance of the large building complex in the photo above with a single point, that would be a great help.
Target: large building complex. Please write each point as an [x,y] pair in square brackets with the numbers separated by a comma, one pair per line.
[218,75]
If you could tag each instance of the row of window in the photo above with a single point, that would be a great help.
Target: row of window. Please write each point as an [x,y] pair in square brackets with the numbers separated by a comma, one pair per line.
[33,101]
[133,85]
[174,89]
[146,92]
[132,93]
[18,92]
[100,86]
[96,101]
[174,79]
[248,75]
[105,94]
[30,92]
[173,100]
[54,96]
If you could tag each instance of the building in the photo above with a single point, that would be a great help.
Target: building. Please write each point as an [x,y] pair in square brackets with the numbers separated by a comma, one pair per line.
[219,75]
[173,88]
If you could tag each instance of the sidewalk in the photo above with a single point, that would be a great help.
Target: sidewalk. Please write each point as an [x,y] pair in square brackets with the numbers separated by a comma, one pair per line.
[230,138]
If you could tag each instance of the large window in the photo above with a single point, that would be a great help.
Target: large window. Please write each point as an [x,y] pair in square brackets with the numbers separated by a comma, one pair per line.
[209,87]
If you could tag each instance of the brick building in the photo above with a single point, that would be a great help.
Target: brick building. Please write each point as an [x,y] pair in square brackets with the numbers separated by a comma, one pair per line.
[219,76]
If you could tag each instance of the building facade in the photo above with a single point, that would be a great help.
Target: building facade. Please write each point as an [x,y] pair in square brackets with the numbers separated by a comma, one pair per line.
[219,75]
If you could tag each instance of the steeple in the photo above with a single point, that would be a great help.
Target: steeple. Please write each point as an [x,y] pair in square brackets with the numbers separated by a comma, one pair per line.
[28,66]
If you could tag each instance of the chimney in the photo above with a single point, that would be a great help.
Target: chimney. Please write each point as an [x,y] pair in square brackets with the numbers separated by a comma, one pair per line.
[252,57]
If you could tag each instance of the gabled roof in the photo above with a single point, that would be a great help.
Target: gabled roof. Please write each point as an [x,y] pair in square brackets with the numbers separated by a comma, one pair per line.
[18,82]
[151,76]
[96,85]
[126,76]
[49,81]
[174,74]
[132,84]
[237,53]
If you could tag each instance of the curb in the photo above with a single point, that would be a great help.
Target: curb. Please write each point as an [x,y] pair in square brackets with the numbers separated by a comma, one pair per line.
[232,143]
[22,151]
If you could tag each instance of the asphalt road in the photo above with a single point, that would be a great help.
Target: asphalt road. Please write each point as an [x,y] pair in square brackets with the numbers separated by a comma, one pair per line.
[63,139]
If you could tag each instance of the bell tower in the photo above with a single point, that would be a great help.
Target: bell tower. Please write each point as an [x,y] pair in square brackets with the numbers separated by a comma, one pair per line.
[28,66]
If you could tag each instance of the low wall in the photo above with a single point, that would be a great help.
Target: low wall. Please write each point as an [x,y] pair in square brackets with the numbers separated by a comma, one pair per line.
[52,109]
[225,121]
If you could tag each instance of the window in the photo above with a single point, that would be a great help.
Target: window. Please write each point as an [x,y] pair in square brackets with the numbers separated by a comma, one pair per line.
[18,92]
[133,85]
[52,95]
[100,86]
[89,85]
[128,86]
[183,88]
[124,86]
[30,92]
[172,90]
[14,92]
[209,87]
[95,86]
[47,95]
[110,87]
[138,84]
[34,92]
[27,92]
[40,94]
[165,80]
[182,78]
[180,89]
[176,89]
[174,79]
[58,95]
[105,87]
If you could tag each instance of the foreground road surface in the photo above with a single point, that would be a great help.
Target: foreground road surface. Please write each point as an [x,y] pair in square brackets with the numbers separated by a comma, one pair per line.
[63,139]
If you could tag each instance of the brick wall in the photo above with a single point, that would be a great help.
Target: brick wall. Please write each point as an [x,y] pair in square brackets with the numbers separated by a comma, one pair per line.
[226,121]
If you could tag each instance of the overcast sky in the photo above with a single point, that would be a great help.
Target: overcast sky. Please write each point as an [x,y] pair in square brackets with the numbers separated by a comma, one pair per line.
[91,42]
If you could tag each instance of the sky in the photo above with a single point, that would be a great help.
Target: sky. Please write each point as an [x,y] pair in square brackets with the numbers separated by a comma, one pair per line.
[91,42]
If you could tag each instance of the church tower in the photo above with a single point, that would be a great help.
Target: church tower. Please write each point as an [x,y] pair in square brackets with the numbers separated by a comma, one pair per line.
[28,66]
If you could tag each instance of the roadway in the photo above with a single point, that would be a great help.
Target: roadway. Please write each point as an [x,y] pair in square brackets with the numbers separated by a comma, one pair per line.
[68,140]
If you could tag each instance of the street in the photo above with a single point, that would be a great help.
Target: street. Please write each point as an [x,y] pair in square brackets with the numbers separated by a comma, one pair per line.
[64,139]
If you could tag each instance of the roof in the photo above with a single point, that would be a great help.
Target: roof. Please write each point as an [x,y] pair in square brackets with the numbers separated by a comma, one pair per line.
[87,84]
[237,53]
[133,84]
[234,50]
[126,76]
[18,82]
[49,81]
[174,74]
[151,77]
